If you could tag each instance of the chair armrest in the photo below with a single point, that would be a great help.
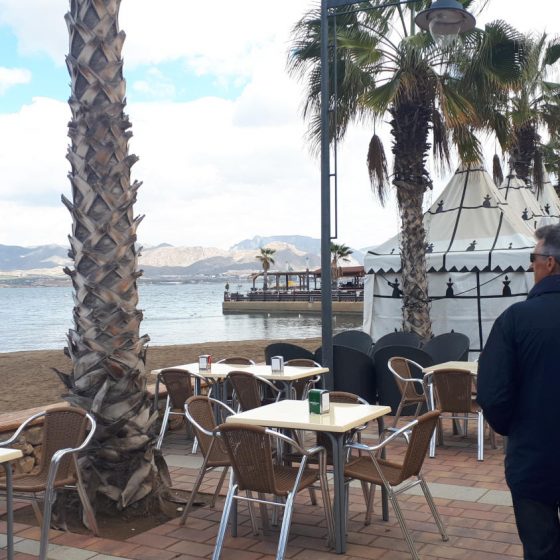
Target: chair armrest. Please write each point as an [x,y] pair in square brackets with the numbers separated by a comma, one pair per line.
[379,446]
[22,427]
[269,384]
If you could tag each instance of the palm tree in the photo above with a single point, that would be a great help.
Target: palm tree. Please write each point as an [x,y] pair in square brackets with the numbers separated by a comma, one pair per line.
[339,252]
[266,259]
[430,96]
[108,355]
[536,105]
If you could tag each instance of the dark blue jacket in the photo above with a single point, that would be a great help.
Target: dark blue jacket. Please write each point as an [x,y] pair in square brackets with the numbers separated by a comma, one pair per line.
[519,390]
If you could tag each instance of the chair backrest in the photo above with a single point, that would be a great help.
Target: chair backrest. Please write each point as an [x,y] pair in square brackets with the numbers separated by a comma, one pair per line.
[448,347]
[419,442]
[345,397]
[250,453]
[452,389]
[199,408]
[179,386]
[402,368]
[359,340]
[353,372]
[302,362]
[288,350]
[63,428]
[388,393]
[237,361]
[247,389]
[399,338]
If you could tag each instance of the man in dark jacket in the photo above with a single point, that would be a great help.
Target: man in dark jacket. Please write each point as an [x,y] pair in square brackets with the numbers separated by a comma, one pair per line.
[519,392]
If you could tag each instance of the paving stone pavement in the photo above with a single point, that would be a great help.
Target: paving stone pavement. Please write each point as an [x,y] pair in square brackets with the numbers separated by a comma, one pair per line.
[472,498]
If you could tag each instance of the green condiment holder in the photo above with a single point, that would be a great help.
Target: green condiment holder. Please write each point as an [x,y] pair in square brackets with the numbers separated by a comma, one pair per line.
[319,402]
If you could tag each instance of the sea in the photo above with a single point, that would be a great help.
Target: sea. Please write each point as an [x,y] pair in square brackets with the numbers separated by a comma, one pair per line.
[38,318]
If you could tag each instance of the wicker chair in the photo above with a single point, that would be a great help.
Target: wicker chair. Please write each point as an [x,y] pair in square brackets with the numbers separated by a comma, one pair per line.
[251,391]
[301,387]
[179,385]
[250,451]
[451,392]
[389,474]
[201,413]
[66,432]
[410,387]
[237,361]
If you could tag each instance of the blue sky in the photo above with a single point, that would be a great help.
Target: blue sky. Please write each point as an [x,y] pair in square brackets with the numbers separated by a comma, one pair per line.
[216,123]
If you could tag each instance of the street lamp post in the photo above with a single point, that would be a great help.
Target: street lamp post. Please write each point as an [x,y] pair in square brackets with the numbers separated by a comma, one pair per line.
[444,19]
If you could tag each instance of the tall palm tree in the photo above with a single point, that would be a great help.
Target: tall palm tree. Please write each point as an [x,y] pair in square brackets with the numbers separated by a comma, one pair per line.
[386,70]
[266,259]
[108,354]
[535,106]
[339,252]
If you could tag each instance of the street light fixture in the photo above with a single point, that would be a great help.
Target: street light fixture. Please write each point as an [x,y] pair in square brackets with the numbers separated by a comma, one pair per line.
[445,19]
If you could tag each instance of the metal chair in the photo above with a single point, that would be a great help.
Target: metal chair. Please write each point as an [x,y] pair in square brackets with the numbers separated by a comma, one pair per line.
[410,387]
[451,392]
[301,387]
[179,385]
[249,390]
[201,411]
[66,432]
[250,451]
[370,467]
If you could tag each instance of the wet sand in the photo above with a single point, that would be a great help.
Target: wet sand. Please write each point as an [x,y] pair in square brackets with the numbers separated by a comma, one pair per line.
[27,379]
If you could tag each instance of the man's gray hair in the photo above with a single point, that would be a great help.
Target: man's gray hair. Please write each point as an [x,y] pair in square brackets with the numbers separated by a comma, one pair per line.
[550,236]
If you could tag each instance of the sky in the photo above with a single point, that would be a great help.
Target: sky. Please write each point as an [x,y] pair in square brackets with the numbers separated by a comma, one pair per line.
[216,123]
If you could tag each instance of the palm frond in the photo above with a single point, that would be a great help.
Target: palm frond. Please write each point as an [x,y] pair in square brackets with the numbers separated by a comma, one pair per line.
[497,173]
[377,167]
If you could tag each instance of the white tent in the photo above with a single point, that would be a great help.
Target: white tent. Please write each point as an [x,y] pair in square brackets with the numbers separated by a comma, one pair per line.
[548,198]
[522,201]
[477,257]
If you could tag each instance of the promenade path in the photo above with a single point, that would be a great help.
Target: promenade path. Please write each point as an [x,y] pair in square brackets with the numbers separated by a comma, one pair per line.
[472,498]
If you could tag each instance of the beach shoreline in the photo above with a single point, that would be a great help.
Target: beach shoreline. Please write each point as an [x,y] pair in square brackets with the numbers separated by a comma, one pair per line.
[27,379]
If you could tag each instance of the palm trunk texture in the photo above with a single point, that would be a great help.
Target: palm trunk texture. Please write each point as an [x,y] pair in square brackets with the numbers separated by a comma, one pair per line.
[409,128]
[108,355]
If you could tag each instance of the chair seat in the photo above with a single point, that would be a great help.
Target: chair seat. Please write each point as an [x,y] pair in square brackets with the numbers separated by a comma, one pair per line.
[35,482]
[362,468]
[285,477]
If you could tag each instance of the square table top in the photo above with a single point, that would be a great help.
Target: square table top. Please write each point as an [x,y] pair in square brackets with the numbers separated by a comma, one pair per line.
[469,366]
[220,371]
[8,454]
[293,414]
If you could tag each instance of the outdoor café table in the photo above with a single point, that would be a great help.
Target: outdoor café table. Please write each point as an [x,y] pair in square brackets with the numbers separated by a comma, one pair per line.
[341,418]
[219,372]
[6,456]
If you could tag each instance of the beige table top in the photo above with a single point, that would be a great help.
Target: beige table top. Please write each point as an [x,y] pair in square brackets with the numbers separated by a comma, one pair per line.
[341,417]
[8,454]
[219,371]
[469,366]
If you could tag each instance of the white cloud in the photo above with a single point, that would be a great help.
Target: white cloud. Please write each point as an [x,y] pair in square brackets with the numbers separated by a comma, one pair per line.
[10,77]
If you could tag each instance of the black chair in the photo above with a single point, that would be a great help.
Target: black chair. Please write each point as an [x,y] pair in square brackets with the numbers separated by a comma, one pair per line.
[288,350]
[448,347]
[359,340]
[399,338]
[388,392]
[353,372]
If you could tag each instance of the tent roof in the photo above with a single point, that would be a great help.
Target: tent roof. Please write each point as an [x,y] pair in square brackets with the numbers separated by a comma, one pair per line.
[548,198]
[469,227]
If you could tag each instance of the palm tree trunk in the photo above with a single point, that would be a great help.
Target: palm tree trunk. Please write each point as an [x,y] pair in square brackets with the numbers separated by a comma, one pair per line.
[107,352]
[416,311]
[410,127]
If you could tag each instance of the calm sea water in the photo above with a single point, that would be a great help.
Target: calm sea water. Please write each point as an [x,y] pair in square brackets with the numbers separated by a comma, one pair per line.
[39,318]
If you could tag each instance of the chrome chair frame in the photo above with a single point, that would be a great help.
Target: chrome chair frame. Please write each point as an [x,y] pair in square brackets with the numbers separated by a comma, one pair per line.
[290,498]
[407,381]
[50,490]
[263,383]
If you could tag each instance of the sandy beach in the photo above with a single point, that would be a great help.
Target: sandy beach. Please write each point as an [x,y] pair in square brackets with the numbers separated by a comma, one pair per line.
[27,379]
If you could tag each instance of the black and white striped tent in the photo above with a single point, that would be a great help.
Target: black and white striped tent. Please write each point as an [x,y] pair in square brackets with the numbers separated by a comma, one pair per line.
[477,253]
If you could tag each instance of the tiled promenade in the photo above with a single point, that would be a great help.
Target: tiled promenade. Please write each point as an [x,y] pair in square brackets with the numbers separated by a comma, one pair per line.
[472,498]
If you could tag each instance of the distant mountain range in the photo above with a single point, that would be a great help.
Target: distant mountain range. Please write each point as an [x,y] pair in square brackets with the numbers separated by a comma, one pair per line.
[166,262]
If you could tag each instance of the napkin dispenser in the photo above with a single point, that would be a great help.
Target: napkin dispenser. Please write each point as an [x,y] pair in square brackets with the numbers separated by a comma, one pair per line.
[205,362]
[319,401]
[277,364]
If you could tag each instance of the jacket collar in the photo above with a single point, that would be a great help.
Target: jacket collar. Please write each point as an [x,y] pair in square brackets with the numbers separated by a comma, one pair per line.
[547,285]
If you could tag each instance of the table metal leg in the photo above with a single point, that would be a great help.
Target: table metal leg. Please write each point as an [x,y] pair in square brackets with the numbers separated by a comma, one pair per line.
[10,511]
[339,510]
[384,495]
